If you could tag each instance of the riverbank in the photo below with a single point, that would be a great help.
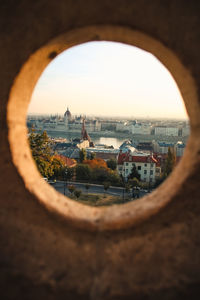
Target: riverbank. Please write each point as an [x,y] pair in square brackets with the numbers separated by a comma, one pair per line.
[114,138]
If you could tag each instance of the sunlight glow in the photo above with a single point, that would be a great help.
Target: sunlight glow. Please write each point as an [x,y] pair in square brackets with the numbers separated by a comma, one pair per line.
[110,79]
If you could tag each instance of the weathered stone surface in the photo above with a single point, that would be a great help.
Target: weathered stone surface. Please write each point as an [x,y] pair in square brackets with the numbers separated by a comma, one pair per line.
[42,254]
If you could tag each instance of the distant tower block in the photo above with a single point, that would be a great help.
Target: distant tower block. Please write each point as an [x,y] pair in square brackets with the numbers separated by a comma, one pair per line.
[67,117]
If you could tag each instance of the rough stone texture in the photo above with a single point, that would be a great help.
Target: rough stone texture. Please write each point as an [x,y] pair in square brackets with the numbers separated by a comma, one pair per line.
[44,257]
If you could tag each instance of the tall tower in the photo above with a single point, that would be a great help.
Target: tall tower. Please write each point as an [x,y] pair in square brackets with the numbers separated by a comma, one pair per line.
[84,134]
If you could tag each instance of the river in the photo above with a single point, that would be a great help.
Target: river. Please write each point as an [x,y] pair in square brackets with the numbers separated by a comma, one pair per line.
[109,141]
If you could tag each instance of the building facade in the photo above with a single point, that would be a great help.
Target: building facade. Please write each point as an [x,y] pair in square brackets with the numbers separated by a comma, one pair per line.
[145,165]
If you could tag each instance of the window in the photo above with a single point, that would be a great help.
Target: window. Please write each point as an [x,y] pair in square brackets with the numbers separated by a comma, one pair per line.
[126,164]
[139,167]
[145,165]
[145,171]
[151,172]
[126,171]
[152,165]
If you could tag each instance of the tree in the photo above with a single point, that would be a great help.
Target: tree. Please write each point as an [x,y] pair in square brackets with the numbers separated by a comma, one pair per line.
[68,173]
[82,155]
[39,143]
[83,172]
[169,162]
[127,188]
[77,193]
[92,155]
[134,173]
[99,175]
[96,163]
[41,152]
[58,167]
[112,164]
[87,186]
[106,186]
[71,188]
[114,178]
[134,182]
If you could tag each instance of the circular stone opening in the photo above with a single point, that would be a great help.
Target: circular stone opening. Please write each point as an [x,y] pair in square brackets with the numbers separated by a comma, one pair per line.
[103,218]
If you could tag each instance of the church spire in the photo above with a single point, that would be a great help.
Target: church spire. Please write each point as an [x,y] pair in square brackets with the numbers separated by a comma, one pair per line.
[84,134]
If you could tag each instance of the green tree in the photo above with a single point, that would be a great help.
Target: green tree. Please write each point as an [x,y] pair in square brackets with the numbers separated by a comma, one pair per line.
[134,173]
[68,173]
[82,155]
[127,188]
[83,172]
[106,186]
[99,175]
[57,168]
[169,162]
[134,182]
[112,164]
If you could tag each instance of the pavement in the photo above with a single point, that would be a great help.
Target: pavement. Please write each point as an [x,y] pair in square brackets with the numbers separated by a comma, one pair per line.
[61,187]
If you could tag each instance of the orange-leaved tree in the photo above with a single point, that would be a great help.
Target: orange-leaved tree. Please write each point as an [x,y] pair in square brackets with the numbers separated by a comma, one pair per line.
[96,163]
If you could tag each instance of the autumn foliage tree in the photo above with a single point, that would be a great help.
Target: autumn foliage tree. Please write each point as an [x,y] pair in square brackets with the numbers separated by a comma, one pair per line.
[48,165]
[96,163]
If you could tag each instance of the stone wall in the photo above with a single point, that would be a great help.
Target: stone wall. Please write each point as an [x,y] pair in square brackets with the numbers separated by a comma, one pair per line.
[52,248]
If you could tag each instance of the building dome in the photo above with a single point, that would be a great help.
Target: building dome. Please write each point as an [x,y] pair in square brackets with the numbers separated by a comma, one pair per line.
[68,114]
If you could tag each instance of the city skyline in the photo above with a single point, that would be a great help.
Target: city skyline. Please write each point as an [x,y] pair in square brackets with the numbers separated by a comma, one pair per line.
[107,79]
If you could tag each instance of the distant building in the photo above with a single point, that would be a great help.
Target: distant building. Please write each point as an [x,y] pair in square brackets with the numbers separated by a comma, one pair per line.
[127,146]
[141,128]
[186,130]
[145,165]
[67,117]
[179,148]
[104,153]
[167,131]
[145,147]
[162,147]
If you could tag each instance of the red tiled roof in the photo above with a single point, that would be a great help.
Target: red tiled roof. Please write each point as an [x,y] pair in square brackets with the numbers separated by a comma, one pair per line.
[67,161]
[125,157]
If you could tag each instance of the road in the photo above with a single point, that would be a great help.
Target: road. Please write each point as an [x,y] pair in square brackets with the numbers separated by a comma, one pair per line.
[61,187]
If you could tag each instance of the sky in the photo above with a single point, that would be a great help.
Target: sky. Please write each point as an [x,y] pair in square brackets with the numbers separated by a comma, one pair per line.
[107,79]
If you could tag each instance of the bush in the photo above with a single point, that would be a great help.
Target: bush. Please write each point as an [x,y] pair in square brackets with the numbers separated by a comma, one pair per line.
[77,193]
[71,188]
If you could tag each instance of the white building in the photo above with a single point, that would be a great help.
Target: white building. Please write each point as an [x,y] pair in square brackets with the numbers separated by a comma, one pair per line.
[145,165]
[172,131]
[140,128]
[164,130]
[179,148]
[162,147]
[122,126]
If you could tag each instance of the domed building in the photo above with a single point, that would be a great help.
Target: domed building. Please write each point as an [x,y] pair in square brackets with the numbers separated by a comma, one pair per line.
[67,117]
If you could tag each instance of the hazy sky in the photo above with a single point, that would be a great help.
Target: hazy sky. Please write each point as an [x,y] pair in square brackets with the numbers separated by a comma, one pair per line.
[106,78]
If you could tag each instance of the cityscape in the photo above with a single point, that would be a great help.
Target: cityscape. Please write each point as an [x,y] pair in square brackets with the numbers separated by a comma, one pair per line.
[135,153]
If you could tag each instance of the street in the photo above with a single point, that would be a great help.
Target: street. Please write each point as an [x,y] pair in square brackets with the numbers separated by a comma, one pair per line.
[61,187]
